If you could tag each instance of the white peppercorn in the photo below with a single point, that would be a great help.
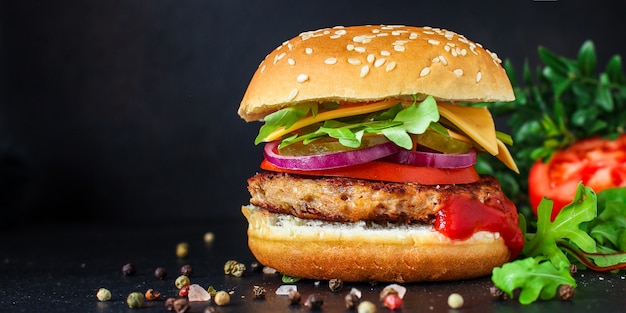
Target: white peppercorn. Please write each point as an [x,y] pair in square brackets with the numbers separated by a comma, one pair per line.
[455,301]
[103,294]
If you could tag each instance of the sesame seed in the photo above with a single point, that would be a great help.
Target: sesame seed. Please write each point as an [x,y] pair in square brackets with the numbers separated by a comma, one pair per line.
[425,71]
[479,75]
[330,61]
[358,39]
[375,31]
[463,52]
[302,78]
[435,60]
[341,32]
[451,44]
[390,66]
[364,70]
[447,48]
[449,35]
[428,32]
[291,61]
[379,62]
[371,57]
[443,60]
[359,49]
[308,50]
[399,48]
[458,72]
[278,57]
[454,53]
[354,61]
[382,34]
[335,36]
[433,42]
[350,47]
[263,68]
[413,36]
[385,53]
[292,94]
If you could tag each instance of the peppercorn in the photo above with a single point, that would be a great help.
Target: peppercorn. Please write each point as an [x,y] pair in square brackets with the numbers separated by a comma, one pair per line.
[182,281]
[169,304]
[256,267]
[234,268]
[335,284]
[160,273]
[208,237]
[387,291]
[314,302]
[455,301]
[221,298]
[186,270]
[103,294]
[497,293]
[573,269]
[352,299]
[182,250]
[152,295]
[366,307]
[258,292]
[294,297]
[128,269]
[134,300]
[392,301]
[183,292]
[566,292]
[181,305]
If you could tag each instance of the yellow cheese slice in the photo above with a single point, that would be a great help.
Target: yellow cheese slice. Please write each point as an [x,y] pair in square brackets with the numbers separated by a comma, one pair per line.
[476,123]
[332,114]
[505,156]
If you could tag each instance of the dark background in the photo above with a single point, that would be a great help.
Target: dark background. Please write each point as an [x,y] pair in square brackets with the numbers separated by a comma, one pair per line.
[126,110]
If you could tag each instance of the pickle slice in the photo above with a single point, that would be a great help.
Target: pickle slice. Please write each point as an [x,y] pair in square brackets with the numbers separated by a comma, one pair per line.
[442,143]
[328,146]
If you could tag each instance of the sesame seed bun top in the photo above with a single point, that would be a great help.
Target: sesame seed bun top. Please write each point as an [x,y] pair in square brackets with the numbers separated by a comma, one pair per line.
[370,63]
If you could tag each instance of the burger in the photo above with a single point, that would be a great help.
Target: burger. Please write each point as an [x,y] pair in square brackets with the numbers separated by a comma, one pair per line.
[370,141]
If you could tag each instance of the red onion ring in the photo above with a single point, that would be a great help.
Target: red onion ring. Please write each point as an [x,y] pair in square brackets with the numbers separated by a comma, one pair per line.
[328,160]
[434,159]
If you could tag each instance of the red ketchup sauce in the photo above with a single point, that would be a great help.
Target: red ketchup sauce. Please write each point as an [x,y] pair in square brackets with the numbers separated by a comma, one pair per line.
[462,215]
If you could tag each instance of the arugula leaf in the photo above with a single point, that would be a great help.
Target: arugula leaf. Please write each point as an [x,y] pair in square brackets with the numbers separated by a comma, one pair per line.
[285,117]
[566,225]
[547,266]
[535,277]
[396,123]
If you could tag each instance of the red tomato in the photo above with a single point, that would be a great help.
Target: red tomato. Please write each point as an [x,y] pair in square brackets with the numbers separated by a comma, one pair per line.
[391,172]
[598,163]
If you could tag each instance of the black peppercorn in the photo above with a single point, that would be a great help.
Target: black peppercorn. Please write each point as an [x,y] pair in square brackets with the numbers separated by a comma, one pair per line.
[497,293]
[186,270]
[294,297]
[314,302]
[335,284]
[160,273]
[181,305]
[259,292]
[169,304]
[566,292]
[128,269]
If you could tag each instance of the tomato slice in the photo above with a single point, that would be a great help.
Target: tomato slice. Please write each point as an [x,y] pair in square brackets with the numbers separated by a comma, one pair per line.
[597,163]
[391,172]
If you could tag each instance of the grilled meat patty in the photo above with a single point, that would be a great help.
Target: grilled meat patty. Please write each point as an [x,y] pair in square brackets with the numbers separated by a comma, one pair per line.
[343,199]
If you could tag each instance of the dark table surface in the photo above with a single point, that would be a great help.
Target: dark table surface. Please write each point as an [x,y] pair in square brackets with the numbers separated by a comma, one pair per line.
[59,268]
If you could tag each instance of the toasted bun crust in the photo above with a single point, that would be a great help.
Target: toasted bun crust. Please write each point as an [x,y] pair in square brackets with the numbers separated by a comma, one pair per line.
[356,252]
[370,63]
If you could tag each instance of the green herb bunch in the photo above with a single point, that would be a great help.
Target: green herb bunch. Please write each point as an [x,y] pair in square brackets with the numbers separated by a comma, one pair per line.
[563,101]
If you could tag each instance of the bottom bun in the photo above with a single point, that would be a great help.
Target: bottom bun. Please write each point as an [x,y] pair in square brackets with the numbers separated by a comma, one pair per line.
[365,252]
